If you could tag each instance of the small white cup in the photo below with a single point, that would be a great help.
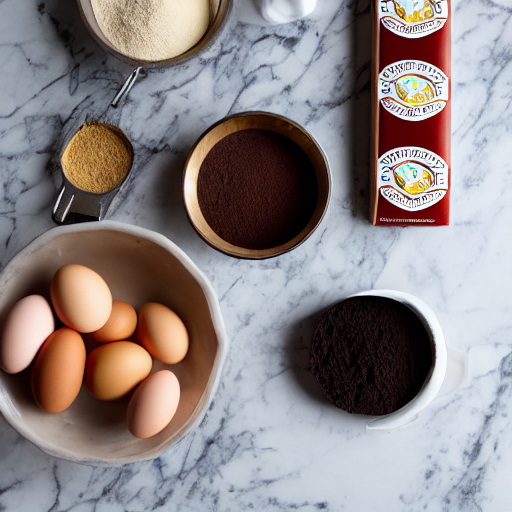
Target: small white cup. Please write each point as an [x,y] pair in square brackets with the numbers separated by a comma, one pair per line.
[274,12]
[285,11]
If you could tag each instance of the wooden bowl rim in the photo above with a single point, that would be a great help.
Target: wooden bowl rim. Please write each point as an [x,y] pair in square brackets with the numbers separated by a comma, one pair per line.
[239,122]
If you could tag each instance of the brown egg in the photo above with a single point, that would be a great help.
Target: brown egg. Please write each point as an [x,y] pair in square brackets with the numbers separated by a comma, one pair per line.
[58,370]
[81,298]
[120,325]
[153,404]
[114,369]
[162,332]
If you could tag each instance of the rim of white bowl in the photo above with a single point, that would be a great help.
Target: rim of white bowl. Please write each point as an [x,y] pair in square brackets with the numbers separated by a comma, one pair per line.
[10,412]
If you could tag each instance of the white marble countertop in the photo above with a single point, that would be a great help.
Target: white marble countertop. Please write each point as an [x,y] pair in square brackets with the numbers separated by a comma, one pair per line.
[270,441]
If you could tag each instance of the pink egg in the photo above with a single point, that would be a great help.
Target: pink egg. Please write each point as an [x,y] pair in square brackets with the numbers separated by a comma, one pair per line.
[26,327]
[153,404]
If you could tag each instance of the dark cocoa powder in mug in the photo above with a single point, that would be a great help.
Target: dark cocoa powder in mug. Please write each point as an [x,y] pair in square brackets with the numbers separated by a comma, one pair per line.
[370,355]
[257,189]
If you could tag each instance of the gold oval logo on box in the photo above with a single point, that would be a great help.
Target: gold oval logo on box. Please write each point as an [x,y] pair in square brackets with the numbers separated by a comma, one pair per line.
[413,90]
[413,18]
[412,178]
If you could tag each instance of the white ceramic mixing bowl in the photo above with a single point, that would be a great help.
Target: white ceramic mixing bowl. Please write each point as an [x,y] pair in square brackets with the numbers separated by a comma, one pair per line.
[139,266]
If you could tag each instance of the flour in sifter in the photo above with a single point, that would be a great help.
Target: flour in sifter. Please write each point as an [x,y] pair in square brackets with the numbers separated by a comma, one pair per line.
[152,30]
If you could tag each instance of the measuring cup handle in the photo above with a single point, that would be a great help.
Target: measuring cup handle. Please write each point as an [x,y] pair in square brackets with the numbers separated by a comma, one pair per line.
[126,87]
[73,205]
[63,205]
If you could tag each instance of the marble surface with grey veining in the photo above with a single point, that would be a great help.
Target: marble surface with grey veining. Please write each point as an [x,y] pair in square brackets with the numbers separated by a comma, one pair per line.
[270,441]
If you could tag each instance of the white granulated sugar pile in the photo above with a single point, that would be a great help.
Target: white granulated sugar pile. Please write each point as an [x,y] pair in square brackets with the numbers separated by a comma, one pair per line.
[152,30]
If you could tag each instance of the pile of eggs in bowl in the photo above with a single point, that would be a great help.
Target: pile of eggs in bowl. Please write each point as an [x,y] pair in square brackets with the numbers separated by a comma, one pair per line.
[111,365]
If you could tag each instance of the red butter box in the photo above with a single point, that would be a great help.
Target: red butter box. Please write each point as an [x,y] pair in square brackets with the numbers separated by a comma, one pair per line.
[411,125]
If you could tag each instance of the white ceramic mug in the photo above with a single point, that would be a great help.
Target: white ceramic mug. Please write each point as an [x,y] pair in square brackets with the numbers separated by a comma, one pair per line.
[434,381]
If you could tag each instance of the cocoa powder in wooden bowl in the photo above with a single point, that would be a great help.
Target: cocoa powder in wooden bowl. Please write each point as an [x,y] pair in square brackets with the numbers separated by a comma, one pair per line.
[256,185]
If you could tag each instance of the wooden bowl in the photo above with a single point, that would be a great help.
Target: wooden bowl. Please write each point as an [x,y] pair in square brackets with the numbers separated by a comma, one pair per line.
[262,121]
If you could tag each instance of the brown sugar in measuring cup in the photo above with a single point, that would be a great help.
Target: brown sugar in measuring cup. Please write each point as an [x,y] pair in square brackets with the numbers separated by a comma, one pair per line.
[95,163]
[97,158]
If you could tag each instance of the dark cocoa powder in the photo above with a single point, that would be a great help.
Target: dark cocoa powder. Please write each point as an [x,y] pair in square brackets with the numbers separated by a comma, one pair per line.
[370,355]
[257,189]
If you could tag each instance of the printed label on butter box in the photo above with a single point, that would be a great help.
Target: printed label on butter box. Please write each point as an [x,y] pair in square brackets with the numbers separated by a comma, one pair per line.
[413,90]
[412,178]
[413,18]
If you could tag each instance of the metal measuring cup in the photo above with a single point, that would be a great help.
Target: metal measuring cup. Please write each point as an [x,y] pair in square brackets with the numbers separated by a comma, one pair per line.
[221,11]
[76,205]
